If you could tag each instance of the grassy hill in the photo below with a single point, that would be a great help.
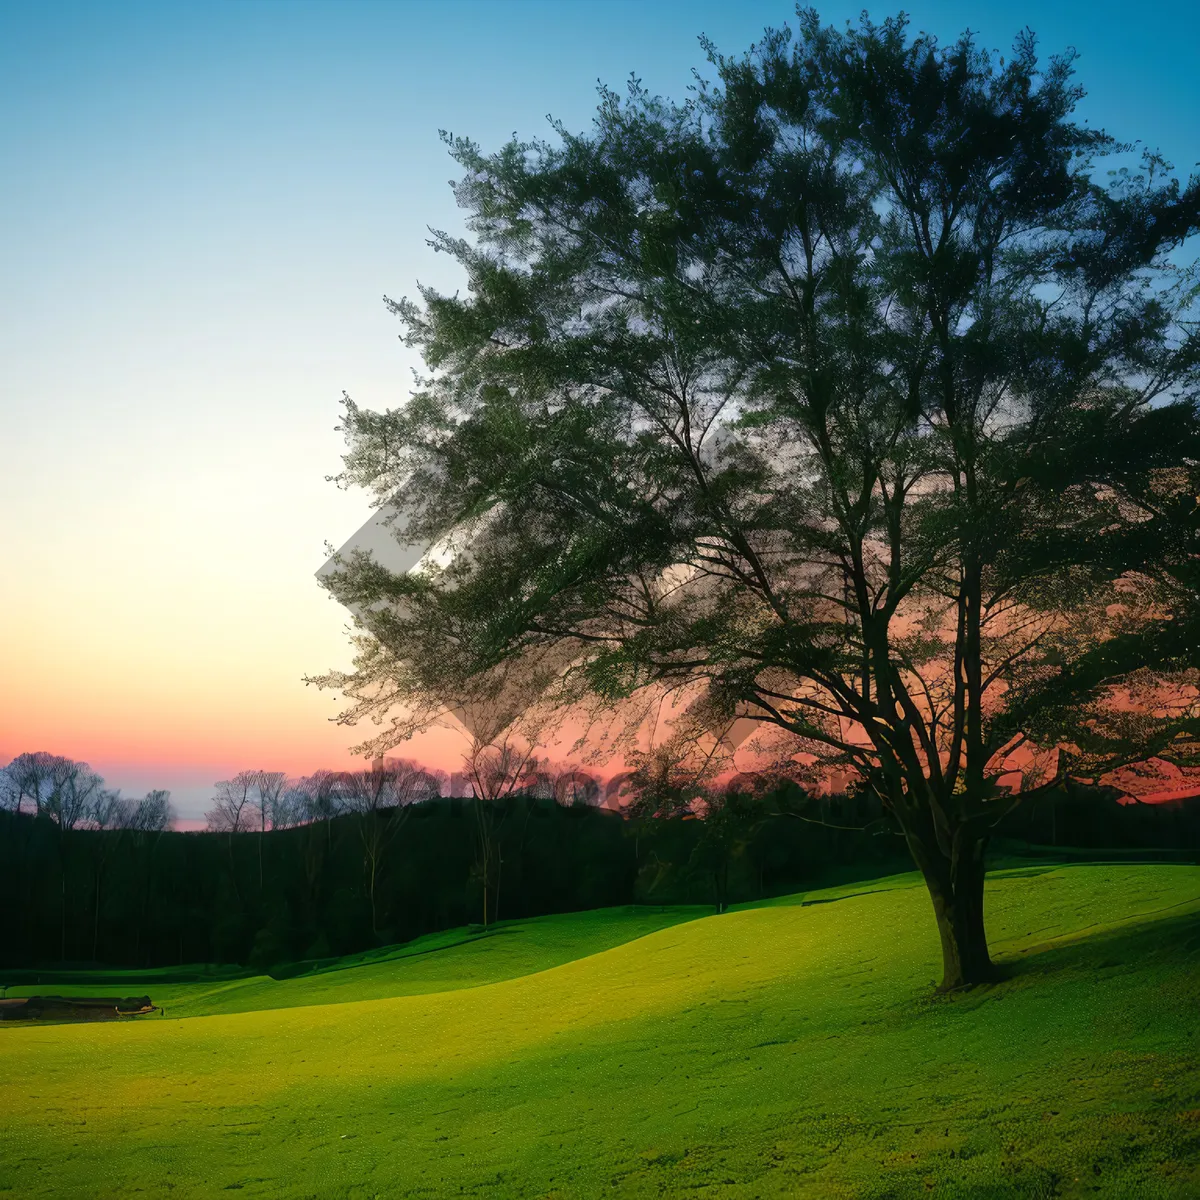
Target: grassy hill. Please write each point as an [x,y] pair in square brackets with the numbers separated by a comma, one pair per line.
[786,1049]
[439,962]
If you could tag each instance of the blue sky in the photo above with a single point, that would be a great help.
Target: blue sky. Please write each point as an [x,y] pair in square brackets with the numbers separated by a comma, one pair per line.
[202,208]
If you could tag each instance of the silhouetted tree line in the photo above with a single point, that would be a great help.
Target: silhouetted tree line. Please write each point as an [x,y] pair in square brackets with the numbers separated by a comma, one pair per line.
[344,861]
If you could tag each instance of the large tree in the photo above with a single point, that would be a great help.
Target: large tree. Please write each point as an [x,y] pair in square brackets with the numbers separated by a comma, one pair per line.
[850,395]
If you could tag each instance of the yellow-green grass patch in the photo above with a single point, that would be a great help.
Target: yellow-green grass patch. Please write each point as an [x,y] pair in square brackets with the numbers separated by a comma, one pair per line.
[780,1050]
[439,962]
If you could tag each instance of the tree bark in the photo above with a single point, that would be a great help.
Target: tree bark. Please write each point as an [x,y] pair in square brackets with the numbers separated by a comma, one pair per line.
[373,857]
[62,858]
[955,884]
[485,852]
[96,920]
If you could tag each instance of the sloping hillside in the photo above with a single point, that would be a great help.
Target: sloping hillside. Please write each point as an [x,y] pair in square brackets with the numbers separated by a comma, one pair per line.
[789,1049]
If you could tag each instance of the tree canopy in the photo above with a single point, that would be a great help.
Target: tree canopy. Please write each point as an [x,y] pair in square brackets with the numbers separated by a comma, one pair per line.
[849,395]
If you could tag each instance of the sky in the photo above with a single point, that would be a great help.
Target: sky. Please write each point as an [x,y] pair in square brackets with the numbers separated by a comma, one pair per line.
[202,208]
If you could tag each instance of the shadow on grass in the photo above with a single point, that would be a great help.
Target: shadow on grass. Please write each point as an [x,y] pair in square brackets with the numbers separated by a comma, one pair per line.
[1160,947]
[388,954]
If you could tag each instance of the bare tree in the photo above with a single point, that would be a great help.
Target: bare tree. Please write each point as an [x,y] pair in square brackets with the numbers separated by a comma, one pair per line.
[109,810]
[29,779]
[152,813]
[291,809]
[498,770]
[501,712]
[270,788]
[325,794]
[264,803]
[233,812]
[113,815]
[380,798]
[233,805]
[314,801]
[150,818]
[73,788]
[108,814]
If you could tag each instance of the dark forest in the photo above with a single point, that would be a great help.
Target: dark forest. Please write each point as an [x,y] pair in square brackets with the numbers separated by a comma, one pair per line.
[138,899]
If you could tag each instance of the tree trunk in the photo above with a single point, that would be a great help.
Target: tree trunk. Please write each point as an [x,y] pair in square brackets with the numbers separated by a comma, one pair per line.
[374,917]
[233,873]
[485,891]
[96,921]
[484,826]
[956,889]
[62,928]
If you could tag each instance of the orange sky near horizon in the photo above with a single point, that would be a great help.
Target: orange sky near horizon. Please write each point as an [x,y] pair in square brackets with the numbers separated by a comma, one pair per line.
[176,683]
[205,207]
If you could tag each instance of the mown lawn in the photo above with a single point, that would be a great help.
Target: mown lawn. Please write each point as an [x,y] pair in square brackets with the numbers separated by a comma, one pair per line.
[439,962]
[785,1049]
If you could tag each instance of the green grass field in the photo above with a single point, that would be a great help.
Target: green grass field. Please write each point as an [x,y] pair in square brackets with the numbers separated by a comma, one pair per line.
[783,1049]
[440,962]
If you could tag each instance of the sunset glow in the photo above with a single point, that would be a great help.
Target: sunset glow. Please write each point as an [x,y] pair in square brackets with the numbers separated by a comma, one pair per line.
[204,209]
[599,598]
